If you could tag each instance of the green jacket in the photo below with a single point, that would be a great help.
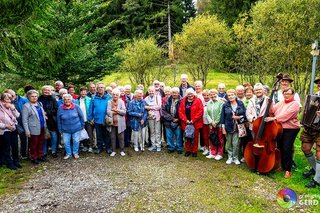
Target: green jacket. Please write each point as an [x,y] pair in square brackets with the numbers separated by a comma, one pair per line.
[214,111]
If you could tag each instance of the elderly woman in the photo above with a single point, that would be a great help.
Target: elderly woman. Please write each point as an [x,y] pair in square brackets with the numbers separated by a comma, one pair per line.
[240,93]
[138,118]
[213,114]
[191,113]
[70,124]
[198,88]
[154,106]
[170,113]
[34,123]
[50,106]
[8,133]
[286,112]
[248,93]
[233,112]
[206,125]
[117,111]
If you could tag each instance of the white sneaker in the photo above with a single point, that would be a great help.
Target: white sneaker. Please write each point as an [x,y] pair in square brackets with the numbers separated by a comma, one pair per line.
[206,152]
[229,161]
[142,149]
[76,156]
[90,150]
[113,154]
[202,148]
[136,149]
[236,161]
[122,153]
[210,156]
[243,160]
[218,157]
[66,157]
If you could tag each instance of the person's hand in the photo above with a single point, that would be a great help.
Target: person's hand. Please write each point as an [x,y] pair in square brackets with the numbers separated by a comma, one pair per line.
[10,127]
[175,120]
[224,131]
[142,122]
[28,135]
[214,125]
[236,117]
[268,119]
[92,122]
[318,113]
[147,107]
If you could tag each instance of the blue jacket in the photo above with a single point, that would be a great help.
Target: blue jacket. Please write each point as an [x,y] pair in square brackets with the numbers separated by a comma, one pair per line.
[226,116]
[70,120]
[135,109]
[98,109]
[18,103]
[87,102]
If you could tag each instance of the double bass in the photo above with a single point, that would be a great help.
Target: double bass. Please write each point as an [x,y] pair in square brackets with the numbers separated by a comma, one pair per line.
[261,154]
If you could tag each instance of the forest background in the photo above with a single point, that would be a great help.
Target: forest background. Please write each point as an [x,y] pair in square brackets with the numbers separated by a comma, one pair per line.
[79,41]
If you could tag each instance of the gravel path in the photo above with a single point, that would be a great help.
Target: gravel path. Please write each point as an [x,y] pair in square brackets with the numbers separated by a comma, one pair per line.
[142,182]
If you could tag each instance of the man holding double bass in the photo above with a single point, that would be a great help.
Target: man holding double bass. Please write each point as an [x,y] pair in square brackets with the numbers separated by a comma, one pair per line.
[309,137]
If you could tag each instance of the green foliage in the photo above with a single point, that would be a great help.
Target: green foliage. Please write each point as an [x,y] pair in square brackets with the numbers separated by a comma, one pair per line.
[277,37]
[202,45]
[140,58]
[225,9]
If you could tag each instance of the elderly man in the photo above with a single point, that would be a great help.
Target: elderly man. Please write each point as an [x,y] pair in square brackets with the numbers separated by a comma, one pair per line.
[184,85]
[97,113]
[222,92]
[92,90]
[128,96]
[285,83]
[58,86]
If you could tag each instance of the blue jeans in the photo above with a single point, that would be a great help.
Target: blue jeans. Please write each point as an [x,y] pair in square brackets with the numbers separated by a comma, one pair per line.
[174,135]
[103,137]
[75,142]
[54,141]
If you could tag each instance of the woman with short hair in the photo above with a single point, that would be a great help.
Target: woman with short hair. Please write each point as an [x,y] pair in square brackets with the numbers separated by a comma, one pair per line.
[70,124]
[191,113]
[50,106]
[286,112]
[117,111]
[233,113]
[154,106]
[8,133]
[138,118]
[34,123]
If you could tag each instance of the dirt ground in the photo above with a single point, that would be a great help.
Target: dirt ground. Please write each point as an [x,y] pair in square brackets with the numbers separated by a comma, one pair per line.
[143,182]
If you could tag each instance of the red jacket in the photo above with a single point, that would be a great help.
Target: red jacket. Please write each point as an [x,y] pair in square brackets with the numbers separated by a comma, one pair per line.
[196,113]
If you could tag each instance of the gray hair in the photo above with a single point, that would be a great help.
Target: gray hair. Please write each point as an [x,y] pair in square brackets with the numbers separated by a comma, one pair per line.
[59,82]
[167,88]
[198,83]
[6,94]
[175,89]
[63,90]
[138,91]
[258,86]
[30,92]
[46,87]
[190,90]
[239,87]
[127,86]
[67,96]
[116,91]
[151,88]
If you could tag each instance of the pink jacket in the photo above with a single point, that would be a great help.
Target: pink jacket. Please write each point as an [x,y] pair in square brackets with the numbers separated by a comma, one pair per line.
[157,106]
[287,114]
[7,117]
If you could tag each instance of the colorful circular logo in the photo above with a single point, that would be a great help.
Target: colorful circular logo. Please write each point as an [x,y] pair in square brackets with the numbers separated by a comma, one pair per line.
[287,198]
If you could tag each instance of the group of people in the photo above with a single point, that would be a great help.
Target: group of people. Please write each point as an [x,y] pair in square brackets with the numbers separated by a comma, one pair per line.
[179,118]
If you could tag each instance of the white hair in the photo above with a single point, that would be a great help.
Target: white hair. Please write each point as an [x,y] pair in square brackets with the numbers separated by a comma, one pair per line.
[156,82]
[138,91]
[66,96]
[198,83]
[239,87]
[151,88]
[175,89]
[127,86]
[116,91]
[258,86]
[121,88]
[63,90]
[184,76]
[46,87]
[100,83]
[222,85]
[108,88]
[162,84]
[59,82]
[190,90]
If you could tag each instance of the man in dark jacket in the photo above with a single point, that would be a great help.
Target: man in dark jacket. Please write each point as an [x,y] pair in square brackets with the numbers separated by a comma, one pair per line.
[170,115]
[184,85]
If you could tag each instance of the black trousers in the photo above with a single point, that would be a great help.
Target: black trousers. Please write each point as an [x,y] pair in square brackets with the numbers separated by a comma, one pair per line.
[285,145]
[9,153]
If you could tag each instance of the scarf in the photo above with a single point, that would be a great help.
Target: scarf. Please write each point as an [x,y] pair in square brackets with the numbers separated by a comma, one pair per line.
[288,101]
[258,104]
